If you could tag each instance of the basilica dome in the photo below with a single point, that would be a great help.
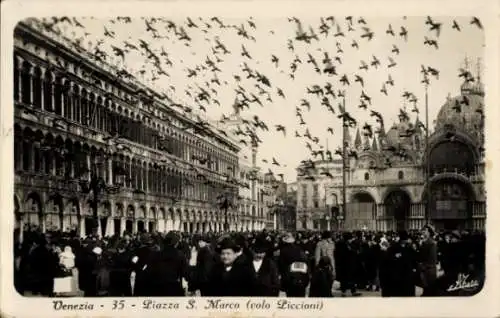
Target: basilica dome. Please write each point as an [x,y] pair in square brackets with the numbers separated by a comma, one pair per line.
[399,134]
[392,136]
[463,112]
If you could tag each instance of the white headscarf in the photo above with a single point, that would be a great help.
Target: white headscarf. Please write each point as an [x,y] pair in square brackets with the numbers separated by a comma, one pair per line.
[67,258]
[97,250]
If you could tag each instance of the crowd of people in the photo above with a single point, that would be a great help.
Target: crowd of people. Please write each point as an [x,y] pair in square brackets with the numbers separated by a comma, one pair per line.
[252,263]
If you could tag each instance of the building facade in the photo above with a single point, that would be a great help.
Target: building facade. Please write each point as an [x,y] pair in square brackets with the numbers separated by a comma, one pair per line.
[401,180]
[314,197]
[251,211]
[254,193]
[286,205]
[76,120]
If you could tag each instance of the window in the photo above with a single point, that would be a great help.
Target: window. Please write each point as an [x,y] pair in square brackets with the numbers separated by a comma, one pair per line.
[367,176]
[304,190]
[304,203]
[315,189]
[316,204]
[400,175]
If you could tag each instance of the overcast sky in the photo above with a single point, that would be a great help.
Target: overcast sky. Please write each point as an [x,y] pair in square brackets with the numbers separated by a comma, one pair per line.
[271,36]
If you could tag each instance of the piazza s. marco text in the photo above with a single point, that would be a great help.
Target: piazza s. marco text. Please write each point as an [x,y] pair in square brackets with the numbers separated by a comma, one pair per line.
[191,304]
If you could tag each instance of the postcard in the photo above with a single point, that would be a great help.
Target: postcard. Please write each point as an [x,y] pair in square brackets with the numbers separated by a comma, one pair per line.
[249,159]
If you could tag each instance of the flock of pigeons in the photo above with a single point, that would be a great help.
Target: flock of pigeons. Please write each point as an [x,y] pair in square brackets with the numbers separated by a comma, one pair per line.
[253,88]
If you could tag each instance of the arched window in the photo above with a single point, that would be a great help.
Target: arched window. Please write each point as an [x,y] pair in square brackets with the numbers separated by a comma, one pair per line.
[47,92]
[26,83]
[367,176]
[37,88]
[58,107]
[400,175]
[27,152]
[17,71]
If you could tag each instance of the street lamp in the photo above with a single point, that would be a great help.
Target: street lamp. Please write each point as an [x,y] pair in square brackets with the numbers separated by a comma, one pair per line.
[225,201]
[275,209]
[91,183]
[327,219]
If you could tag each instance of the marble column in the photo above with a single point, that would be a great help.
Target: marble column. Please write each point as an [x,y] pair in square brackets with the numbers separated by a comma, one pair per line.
[42,88]
[99,227]
[122,225]
[21,228]
[32,77]
[81,226]
[110,226]
[20,82]
[309,223]
[110,171]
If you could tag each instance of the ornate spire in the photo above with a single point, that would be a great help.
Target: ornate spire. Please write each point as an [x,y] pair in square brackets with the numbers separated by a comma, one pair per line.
[467,63]
[418,125]
[478,70]
[366,145]
[374,144]
[357,141]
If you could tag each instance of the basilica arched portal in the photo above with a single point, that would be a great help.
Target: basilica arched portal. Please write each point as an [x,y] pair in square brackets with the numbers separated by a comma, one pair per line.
[360,212]
[397,207]
[450,196]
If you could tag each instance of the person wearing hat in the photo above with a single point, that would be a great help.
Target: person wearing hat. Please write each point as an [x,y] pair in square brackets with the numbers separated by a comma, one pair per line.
[325,247]
[397,276]
[345,257]
[205,260]
[266,281]
[428,261]
[243,255]
[121,270]
[293,267]
[44,263]
[164,270]
[227,278]
[143,252]
[322,279]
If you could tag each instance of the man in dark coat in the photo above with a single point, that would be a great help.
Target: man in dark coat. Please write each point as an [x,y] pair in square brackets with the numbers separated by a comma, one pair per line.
[142,254]
[44,263]
[265,281]
[372,261]
[244,255]
[399,269]
[120,272]
[84,261]
[165,269]
[205,260]
[228,277]
[293,268]
[345,257]
[428,262]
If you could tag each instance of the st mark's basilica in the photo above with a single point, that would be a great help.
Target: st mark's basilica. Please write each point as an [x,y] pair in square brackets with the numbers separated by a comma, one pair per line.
[386,182]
